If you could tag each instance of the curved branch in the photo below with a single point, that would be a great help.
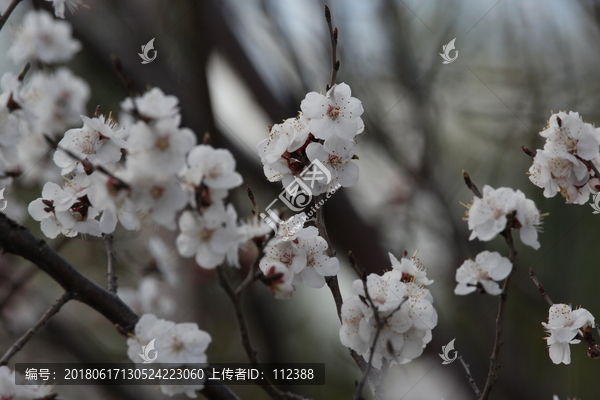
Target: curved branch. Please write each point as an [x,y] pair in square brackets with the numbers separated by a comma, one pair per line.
[18,240]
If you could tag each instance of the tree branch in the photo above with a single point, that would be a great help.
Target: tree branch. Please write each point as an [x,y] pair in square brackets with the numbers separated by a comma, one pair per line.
[16,239]
[11,7]
[470,377]
[110,253]
[14,349]
[270,389]
[493,370]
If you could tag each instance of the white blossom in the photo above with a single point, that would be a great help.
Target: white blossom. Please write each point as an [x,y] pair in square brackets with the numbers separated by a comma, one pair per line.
[9,390]
[44,39]
[149,296]
[484,272]
[488,216]
[405,306]
[95,142]
[211,237]
[211,172]
[411,269]
[336,113]
[159,146]
[179,344]
[153,104]
[66,209]
[338,160]
[563,326]
[318,263]
[59,6]
[57,99]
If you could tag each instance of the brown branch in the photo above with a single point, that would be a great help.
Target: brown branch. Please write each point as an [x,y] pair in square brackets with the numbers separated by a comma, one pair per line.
[11,7]
[110,253]
[493,370]
[332,281]
[471,185]
[235,298]
[470,377]
[18,240]
[543,293]
[333,35]
[14,349]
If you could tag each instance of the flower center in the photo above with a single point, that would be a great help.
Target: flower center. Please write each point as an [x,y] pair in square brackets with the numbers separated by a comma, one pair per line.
[333,112]
[162,143]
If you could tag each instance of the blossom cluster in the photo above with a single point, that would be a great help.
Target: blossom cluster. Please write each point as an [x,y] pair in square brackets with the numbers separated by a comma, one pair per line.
[177,344]
[488,216]
[324,130]
[565,163]
[400,305]
[296,256]
[564,325]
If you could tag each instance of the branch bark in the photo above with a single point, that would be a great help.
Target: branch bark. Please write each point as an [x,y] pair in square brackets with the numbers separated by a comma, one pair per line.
[18,240]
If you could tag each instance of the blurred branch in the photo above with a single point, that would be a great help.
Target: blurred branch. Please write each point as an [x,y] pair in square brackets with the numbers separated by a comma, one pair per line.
[14,349]
[11,7]
[540,287]
[110,253]
[29,273]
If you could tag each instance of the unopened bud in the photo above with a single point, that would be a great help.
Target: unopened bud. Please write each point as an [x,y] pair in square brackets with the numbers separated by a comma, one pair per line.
[594,184]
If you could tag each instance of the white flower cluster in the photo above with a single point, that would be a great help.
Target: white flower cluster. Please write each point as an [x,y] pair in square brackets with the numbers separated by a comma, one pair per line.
[564,324]
[11,391]
[404,305]
[324,130]
[488,216]
[296,256]
[482,273]
[177,344]
[561,165]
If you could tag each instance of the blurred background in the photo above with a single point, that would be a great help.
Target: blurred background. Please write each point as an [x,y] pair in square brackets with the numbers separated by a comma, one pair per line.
[238,67]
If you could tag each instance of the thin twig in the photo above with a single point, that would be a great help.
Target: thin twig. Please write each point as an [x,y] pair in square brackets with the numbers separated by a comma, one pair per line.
[470,377]
[269,388]
[110,253]
[25,338]
[540,287]
[471,185]
[380,324]
[333,34]
[11,7]
[493,370]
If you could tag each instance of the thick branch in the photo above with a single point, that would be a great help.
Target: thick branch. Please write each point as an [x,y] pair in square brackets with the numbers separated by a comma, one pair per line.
[25,338]
[18,240]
